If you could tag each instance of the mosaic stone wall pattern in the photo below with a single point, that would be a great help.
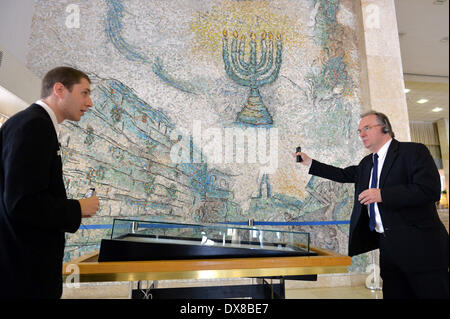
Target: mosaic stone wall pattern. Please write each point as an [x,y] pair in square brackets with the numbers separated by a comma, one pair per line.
[179,79]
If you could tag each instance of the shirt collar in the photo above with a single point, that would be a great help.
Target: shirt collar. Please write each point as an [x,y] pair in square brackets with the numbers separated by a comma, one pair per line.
[383,150]
[51,113]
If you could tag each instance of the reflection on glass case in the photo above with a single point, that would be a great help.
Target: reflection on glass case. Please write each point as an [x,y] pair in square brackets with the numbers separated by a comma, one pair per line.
[133,240]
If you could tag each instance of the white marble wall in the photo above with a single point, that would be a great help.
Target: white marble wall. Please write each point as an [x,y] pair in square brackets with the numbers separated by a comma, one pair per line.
[382,73]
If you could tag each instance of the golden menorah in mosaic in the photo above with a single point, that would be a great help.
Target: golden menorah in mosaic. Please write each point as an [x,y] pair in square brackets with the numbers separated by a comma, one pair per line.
[253,72]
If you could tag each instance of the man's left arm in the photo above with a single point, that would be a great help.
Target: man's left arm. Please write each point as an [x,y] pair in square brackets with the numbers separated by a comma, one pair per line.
[423,185]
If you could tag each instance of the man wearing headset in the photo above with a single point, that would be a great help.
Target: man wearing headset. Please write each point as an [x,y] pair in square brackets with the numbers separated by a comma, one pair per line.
[396,188]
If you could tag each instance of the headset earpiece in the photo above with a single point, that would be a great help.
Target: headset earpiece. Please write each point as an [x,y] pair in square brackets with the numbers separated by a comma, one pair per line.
[386,126]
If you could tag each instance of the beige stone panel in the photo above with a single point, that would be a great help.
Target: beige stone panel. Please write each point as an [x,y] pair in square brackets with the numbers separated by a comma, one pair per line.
[380,26]
[386,91]
[382,80]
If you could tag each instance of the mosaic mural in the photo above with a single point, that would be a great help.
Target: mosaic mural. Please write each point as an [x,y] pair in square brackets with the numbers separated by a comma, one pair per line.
[199,106]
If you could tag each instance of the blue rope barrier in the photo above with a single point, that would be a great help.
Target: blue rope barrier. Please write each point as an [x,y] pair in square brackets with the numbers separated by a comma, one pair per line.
[256,223]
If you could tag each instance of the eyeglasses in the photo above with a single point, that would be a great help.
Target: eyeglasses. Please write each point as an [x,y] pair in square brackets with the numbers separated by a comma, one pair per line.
[367,128]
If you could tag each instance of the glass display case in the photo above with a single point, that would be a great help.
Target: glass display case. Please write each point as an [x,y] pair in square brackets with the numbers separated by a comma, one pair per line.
[133,240]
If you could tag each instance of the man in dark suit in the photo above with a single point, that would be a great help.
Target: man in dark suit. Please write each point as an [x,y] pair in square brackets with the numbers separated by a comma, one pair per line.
[34,210]
[396,188]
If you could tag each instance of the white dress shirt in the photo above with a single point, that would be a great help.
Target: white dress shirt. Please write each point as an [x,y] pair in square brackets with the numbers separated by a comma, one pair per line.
[51,114]
[381,157]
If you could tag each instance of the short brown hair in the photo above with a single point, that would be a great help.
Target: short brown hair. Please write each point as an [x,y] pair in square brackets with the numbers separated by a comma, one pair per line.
[66,75]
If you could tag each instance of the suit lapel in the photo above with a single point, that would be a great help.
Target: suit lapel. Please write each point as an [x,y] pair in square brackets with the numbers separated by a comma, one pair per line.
[390,158]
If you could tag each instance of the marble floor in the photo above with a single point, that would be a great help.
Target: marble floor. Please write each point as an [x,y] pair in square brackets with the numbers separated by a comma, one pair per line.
[346,292]
[358,292]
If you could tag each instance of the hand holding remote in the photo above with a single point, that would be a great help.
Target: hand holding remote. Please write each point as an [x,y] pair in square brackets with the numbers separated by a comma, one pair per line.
[302,157]
[90,204]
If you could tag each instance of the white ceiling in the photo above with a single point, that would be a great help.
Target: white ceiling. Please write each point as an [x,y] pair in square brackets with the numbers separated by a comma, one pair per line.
[423,27]
[436,93]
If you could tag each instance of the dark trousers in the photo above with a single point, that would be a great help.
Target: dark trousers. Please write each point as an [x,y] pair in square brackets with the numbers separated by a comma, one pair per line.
[399,283]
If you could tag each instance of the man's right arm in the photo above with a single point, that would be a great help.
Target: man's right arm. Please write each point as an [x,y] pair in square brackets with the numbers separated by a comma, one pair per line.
[340,175]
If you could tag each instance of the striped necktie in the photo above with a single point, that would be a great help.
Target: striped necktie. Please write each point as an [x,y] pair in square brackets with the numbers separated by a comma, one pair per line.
[373,184]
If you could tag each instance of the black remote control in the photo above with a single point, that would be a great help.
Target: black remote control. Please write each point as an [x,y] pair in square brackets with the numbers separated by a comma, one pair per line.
[91,192]
[299,158]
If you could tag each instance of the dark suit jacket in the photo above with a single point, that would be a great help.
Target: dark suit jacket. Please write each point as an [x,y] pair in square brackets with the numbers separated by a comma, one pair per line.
[410,186]
[34,210]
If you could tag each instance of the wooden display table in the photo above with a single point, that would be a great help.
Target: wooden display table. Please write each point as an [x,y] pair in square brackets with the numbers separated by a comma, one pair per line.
[326,262]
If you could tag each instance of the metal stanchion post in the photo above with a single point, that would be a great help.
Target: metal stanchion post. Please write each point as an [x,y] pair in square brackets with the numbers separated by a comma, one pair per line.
[373,281]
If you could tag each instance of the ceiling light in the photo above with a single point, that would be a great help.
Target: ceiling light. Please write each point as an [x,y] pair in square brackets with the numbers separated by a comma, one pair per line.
[444,40]
[421,101]
[437,109]
[406,90]
[439,2]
